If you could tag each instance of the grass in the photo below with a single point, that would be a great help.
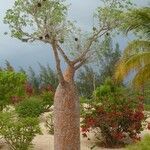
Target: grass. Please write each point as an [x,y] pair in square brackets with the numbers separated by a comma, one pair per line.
[144,144]
[147,107]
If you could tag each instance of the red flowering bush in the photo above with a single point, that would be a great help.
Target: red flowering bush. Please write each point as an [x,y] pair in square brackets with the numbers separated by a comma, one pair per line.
[115,115]
[47,88]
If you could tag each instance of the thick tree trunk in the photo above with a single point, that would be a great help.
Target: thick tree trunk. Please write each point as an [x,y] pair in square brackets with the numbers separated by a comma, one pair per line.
[67,115]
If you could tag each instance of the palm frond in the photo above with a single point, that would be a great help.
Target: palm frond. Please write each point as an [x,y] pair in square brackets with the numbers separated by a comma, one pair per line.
[136,56]
[138,20]
[135,62]
[136,46]
[142,76]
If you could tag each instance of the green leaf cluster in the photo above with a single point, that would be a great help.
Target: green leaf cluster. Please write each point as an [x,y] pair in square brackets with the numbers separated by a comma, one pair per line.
[30,107]
[11,84]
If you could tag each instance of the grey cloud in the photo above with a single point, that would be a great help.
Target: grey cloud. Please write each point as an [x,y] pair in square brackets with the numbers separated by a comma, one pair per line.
[23,54]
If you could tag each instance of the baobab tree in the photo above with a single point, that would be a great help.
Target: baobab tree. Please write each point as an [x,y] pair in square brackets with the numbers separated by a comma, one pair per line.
[46,21]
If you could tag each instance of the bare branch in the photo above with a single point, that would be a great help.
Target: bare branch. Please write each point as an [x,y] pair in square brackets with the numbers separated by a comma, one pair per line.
[89,43]
[58,65]
[68,61]
[33,38]
[83,61]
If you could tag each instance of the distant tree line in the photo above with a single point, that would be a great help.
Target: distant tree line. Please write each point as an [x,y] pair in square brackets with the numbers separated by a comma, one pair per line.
[88,78]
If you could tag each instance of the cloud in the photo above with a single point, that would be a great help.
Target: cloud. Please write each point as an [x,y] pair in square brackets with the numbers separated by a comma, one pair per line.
[23,54]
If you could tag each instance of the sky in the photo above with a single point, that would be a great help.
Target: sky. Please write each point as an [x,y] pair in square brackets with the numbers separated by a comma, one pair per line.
[30,54]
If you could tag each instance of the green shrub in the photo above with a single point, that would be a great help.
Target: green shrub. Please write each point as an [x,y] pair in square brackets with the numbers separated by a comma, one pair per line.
[84,103]
[147,107]
[18,133]
[31,107]
[11,87]
[47,99]
[114,115]
[50,124]
[142,145]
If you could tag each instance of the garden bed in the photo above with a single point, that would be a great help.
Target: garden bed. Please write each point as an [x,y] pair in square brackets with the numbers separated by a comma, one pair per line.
[46,141]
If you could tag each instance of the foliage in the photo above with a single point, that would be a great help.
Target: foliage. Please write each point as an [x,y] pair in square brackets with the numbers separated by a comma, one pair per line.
[135,58]
[108,59]
[89,79]
[45,78]
[48,76]
[30,107]
[136,55]
[46,21]
[44,13]
[147,107]
[137,20]
[34,106]
[112,12]
[50,124]
[144,144]
[33,81]
[29,89]
[84,105]
[18,133]
[53,14]
[47,99]
[11,87]
[114,115]
[8,67]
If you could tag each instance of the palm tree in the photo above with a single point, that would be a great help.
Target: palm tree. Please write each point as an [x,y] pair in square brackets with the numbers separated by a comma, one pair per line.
[136,56]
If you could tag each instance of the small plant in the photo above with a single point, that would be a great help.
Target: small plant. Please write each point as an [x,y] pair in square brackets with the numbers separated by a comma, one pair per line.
[50,124]
[31,107]
[18,132]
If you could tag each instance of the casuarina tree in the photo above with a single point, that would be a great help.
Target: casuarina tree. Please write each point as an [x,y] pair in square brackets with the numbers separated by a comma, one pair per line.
[47,21]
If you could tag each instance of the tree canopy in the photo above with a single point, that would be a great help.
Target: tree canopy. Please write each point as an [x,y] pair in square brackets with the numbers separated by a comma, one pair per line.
[47,21]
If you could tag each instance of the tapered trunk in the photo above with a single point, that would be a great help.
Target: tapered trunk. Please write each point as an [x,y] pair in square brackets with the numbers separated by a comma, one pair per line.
[67,115]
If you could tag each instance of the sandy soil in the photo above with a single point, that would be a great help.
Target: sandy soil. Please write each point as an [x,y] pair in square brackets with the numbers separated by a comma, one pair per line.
[46,141]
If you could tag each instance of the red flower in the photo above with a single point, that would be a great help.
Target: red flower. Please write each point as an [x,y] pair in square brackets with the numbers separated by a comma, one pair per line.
[119,136]
[138,116]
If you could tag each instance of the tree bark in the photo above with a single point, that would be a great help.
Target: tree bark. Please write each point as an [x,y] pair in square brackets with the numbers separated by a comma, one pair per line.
[67,114]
